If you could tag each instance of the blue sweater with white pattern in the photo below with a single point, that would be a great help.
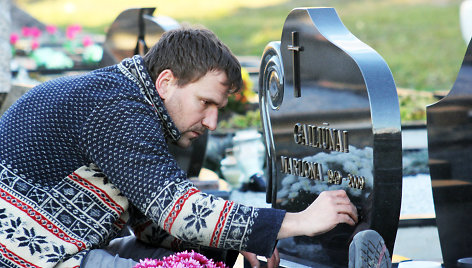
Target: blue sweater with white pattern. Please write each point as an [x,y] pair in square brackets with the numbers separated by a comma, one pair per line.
[113,118]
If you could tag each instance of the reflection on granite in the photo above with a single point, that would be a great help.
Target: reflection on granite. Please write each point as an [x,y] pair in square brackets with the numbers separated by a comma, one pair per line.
[417,196]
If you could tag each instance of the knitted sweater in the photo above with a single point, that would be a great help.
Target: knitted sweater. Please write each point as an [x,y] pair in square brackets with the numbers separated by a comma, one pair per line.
[75,150]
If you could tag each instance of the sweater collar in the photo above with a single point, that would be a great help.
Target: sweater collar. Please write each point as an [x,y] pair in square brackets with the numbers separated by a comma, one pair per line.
[135,69]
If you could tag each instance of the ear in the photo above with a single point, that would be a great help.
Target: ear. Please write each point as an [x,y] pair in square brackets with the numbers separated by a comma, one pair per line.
[163,83]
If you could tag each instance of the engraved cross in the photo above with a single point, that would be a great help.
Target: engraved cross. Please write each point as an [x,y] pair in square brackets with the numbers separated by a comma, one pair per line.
[296,49]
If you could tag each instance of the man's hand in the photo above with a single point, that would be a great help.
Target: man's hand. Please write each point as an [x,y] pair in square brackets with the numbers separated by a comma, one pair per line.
[273,262]
[327,211]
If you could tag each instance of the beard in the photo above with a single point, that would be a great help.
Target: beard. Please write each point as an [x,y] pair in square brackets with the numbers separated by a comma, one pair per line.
[188,136]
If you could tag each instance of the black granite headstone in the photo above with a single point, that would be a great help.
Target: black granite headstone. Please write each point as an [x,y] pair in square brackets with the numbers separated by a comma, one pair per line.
[449,124]
[331,120]
[133,32]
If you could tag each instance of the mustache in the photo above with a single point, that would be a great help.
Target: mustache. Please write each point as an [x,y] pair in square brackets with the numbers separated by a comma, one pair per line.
[199,130]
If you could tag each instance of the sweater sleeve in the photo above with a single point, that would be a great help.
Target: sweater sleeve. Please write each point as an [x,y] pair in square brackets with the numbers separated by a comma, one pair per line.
[125,140]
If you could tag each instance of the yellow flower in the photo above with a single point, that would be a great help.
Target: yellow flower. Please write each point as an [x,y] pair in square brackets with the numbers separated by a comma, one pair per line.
[247,83]
[246,92]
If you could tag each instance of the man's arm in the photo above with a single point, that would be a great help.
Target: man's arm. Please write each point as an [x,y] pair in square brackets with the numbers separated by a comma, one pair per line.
[327,211]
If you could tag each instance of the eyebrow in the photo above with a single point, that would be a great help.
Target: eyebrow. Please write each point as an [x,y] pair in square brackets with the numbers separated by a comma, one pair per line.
[220,106]
[214,102]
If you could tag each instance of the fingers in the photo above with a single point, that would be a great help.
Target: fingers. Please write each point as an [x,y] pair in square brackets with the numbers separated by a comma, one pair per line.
[340,193]
[340,196]
[347,212]
[251,258]
[334,197]
[353,213]
[327,211]
[345,218]
[341,199]
[274,261]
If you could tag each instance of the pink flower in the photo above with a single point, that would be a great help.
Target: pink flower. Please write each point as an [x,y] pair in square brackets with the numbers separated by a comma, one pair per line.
[14,38]
[181,260]
[87,41]
[70,34]
[35,32]
[26,31]
[51,29]
[148,263]
[34,44]
[76,27]
[72,31]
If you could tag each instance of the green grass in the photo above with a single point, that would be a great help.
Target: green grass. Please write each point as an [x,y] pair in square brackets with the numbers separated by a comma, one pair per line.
[421,43]
[419,39]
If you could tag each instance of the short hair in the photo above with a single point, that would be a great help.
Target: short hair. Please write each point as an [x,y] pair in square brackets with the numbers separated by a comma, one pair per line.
[190,53]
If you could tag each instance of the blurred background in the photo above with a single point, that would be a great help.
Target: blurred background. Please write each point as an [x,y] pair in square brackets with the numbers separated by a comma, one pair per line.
[420,40]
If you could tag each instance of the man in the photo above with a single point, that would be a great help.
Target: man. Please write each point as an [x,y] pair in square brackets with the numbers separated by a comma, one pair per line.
[82,156]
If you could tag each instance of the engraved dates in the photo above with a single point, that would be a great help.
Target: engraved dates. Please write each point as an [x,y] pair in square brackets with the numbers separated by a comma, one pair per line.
[314,171]
[353,181]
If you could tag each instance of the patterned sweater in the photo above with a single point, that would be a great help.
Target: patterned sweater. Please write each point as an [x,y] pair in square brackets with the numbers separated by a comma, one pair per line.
[76,152]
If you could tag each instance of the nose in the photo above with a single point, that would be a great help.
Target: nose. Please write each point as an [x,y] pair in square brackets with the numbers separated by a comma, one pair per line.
[211,118]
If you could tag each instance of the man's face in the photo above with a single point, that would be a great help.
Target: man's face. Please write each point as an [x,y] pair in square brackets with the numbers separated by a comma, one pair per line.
[193,107]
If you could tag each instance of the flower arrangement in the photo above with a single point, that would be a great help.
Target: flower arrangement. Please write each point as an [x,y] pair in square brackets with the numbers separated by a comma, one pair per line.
[27,40]
[239,102]
[72,44]
[50,50]
[241,112]
[183,259]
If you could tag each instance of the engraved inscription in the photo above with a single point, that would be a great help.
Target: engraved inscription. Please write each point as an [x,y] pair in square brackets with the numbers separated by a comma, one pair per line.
[298,167]
[321,137]
[314,171]
[334,177]
[357,182]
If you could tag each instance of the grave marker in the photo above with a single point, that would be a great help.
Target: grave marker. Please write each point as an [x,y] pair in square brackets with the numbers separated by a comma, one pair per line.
[331,121]
[449,124]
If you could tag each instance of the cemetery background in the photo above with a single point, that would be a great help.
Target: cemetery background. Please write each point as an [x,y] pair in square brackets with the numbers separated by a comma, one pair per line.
[420,41]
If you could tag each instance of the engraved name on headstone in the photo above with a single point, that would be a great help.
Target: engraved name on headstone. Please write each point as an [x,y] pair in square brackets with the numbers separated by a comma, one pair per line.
[331,120]
[449,124]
